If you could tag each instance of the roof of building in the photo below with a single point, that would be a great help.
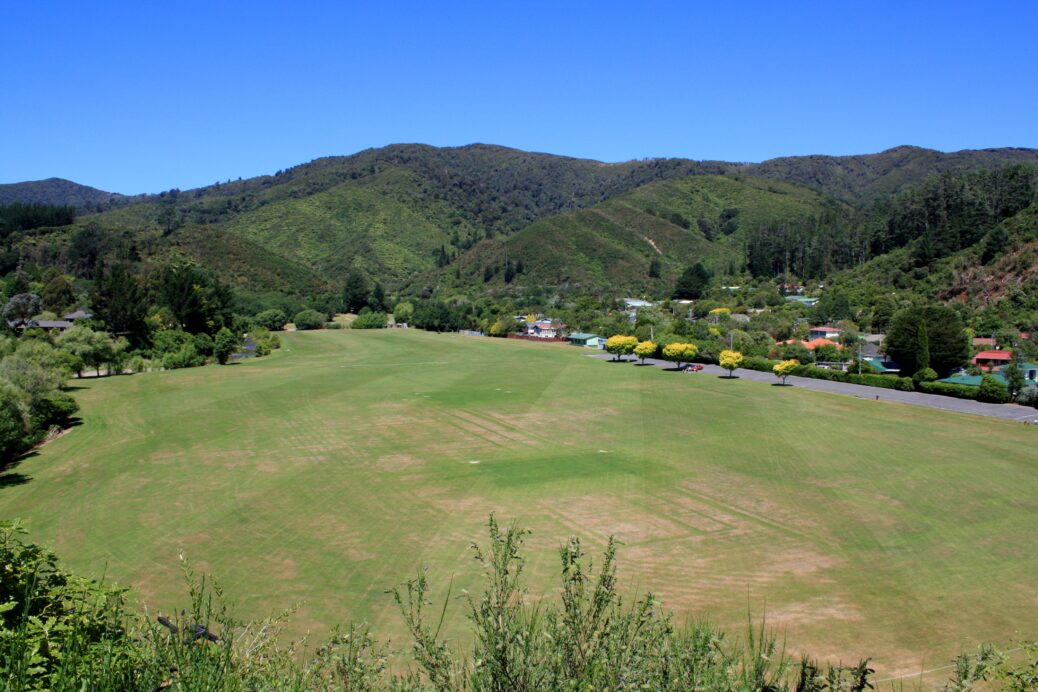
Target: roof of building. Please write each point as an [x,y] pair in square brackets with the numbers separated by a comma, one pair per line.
[983,341]
[581,336]
[993,355]
[79,314]
[826,328]
[815,343]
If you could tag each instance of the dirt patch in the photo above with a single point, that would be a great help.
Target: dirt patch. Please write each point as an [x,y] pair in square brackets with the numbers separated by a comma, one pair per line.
[398,462]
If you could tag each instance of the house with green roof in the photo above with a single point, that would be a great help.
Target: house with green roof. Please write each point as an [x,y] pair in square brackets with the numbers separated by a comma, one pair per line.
[587,340]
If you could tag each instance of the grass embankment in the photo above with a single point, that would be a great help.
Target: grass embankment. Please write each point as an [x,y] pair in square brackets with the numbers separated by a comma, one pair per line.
[328,472]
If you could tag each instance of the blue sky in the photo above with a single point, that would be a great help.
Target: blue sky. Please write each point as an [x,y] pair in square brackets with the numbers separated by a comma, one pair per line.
[142,97]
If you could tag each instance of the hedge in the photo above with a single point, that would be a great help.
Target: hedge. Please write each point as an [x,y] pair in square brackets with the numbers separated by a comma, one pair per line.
[959,391]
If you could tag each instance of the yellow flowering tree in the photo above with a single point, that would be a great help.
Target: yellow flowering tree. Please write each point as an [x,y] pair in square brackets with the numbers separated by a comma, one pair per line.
[620,345]
[680,352]
[730,361]
[785,368]
[645,349]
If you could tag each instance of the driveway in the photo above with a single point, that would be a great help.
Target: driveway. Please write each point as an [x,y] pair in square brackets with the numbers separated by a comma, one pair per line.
[1013,412]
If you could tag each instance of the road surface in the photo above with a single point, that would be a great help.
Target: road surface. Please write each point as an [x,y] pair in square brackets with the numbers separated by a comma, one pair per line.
[1014,412]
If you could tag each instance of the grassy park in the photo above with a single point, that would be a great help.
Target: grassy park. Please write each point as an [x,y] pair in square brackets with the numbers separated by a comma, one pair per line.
[328,472]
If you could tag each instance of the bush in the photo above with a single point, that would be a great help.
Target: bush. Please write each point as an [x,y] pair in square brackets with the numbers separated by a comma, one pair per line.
[925,375]
[992,391]
[204,344]
[170,341]
[273,319]
[759,364]
[227,343]
[308,319]
[959,391]
[186,357]
[332,325]
[369,320]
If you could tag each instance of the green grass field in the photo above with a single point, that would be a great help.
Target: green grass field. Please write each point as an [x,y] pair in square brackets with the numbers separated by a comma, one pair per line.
[328,472]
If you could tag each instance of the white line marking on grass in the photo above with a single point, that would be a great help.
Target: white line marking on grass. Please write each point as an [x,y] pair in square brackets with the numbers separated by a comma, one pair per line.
[474,461]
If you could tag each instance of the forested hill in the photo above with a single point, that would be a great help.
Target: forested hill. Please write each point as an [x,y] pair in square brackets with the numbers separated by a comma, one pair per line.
[479,219]
[59,192]
[867,178]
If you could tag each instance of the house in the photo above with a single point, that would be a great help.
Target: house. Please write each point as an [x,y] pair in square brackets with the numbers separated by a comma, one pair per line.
[740,317]
[586,340]
[806,302]
[812,344]
[1030,372]
[986,360]
[636,304]
[47,325]
[825,332]
[984,342]
[546,328]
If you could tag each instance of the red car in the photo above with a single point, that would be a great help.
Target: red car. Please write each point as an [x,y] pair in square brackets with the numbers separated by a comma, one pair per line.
[695,367]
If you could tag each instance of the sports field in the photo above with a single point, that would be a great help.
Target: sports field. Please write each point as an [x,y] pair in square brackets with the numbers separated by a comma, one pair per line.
[328,472]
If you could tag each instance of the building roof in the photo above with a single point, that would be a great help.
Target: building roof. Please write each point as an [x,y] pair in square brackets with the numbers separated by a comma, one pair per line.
[815,343]
[993,355]
[826,328]
[581,336]
[983,341]
[79,314]
[637,303]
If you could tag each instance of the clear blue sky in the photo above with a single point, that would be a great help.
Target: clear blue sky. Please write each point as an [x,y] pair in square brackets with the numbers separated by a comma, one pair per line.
[142,97]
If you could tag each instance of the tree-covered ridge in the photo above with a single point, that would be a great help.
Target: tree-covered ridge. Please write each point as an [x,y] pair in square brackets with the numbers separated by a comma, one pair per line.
[59,192]
[864,179]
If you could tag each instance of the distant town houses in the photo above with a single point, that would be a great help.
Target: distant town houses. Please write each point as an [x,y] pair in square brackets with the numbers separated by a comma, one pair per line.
[541,328]
[61,325]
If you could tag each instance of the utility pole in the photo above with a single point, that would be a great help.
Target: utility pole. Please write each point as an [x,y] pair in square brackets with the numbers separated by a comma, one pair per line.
[859,356]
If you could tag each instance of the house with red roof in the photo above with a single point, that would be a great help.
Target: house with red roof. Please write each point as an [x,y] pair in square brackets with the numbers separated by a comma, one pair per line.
[986,360]
[984,342]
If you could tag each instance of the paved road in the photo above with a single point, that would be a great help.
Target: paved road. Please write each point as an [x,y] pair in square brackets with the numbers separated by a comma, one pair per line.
[1004,411]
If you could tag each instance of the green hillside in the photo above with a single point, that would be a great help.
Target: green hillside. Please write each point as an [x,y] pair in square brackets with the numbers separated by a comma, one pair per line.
[679,222]
[418,218]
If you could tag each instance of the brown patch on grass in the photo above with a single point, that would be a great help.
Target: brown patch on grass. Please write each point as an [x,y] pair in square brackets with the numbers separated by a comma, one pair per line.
[606,516]
[396,462]
[823,609]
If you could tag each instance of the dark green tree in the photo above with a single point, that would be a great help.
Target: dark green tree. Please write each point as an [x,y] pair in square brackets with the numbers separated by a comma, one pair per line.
[198,301]
[997,241]
[120,301]
[355,294]
[57,294]
[1014,376]
[654,268]
[922,348]
[692,283]
[377,302]
[942,329]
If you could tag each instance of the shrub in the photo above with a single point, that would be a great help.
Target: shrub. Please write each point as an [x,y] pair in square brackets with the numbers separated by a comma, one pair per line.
[204,344]
[332,325]
[759,364]
[227,343]
[925,375]
[959,391]
[370,320]
[273,319]
[186,357]
[170,341]
[992,391]
[308,319]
